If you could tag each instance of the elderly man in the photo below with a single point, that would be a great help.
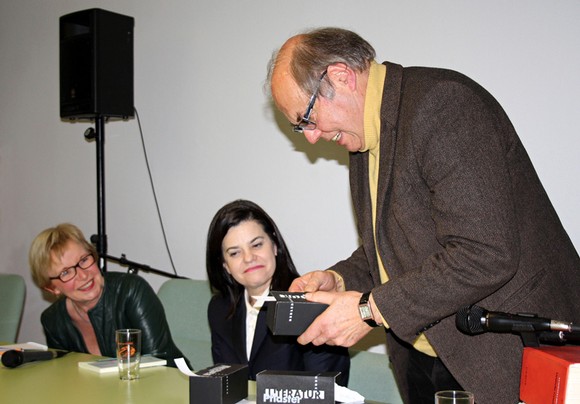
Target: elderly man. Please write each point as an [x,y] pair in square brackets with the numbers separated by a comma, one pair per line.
[450,213]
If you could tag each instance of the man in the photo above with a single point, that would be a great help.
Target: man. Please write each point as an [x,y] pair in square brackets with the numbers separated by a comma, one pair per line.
[450,213]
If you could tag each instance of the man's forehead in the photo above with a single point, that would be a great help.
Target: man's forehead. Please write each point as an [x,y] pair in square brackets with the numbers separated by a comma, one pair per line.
[289,100]
[287,95]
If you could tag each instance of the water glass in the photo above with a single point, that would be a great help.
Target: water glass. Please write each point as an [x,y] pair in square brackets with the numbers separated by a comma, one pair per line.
[128,353]
[454,397]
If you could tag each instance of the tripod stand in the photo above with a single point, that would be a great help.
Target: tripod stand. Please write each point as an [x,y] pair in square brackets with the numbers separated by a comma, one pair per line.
[100,239]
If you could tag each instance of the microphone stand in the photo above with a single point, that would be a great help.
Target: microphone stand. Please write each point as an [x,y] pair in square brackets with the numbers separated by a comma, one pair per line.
[531,339]
[134,267]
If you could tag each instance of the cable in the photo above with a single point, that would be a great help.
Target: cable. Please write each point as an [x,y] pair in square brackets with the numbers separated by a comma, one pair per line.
[154,193]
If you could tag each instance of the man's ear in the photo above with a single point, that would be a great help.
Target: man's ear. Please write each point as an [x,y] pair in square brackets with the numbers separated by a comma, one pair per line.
[341,74]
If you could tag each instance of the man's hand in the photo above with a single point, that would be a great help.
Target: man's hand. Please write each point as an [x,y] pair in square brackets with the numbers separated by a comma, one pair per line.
[313,282]
[340,324]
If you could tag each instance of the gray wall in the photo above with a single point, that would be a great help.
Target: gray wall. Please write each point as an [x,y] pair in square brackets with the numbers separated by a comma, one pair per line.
[212,137]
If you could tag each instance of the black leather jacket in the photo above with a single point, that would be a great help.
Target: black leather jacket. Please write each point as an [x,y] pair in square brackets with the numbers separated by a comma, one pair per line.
[128,301]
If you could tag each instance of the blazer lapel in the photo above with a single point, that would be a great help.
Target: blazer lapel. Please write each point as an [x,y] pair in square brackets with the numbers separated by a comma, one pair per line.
[239,332]
[260,333]
[389,119]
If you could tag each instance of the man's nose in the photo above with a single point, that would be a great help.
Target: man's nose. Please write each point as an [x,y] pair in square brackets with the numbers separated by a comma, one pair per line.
[312,135]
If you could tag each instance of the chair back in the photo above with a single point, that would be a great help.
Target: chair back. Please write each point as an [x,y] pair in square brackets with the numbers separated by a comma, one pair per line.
[185,302]
[12,294]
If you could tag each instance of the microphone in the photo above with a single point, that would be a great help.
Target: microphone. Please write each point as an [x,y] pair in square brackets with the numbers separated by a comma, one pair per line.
[476,320]
[14,358]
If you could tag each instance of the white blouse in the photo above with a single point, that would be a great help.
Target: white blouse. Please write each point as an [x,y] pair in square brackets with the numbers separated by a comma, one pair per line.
[252,319]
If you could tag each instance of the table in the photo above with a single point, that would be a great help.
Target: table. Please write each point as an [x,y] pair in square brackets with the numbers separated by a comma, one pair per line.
[61,381]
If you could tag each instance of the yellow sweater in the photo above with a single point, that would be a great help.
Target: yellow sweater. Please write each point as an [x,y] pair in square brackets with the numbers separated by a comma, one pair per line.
[372,128]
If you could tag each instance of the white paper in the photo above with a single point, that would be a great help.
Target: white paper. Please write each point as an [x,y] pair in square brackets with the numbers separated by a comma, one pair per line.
[345,395]
[182,366]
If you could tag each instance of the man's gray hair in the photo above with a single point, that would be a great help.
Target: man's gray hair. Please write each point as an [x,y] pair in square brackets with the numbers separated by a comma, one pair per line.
[319,48]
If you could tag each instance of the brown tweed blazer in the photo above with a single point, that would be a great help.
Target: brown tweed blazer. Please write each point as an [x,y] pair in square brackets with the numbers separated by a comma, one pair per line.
[462,218]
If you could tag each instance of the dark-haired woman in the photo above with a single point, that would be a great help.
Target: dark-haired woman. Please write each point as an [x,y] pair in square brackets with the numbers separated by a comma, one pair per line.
[246,257]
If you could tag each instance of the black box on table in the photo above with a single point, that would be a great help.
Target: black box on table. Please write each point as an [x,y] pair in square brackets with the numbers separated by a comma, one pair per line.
[302,387]
[219,384]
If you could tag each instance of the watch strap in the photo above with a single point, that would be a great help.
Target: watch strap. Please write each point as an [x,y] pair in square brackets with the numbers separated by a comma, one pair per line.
[365,311]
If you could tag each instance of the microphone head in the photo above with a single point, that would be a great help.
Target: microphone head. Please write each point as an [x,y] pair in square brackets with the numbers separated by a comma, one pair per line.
[12,358]
[468,320]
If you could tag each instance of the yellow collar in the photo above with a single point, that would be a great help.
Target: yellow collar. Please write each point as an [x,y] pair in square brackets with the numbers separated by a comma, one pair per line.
[372,112]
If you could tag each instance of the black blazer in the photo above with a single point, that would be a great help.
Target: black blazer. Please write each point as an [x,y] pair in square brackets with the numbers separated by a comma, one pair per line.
[269,352]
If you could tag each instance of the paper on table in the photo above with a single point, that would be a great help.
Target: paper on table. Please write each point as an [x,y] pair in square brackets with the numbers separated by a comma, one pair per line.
[345,395]
[182,366]
[110,365]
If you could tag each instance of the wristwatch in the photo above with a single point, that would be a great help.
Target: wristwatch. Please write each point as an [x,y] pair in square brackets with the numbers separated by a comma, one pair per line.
[365,311]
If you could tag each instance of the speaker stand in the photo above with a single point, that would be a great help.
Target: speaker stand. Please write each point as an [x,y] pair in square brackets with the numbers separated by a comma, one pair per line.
[100,239]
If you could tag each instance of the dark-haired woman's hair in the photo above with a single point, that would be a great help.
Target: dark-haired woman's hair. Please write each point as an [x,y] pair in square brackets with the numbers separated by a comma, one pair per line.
[230,216]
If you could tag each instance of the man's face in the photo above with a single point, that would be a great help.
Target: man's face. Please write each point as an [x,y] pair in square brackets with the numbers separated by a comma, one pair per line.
[335,118]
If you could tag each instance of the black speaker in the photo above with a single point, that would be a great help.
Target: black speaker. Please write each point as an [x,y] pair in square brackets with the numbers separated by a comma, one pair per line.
[96,64]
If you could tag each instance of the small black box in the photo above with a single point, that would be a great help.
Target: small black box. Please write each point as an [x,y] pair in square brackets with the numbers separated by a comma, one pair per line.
[291,314]
[219,384]
[278,386]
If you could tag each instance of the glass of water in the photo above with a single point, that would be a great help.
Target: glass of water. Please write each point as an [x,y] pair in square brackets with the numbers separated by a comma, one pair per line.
[128,352]
[454,397]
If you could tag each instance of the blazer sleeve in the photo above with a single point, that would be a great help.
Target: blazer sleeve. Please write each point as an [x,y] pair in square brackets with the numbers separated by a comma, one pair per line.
[355,271]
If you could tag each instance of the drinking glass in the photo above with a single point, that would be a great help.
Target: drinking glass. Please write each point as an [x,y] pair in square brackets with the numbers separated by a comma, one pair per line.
[454,397]
[128,352]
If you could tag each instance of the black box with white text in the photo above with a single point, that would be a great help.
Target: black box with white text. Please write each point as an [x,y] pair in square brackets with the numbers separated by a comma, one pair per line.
[300,387]
[291,314]
[219,384]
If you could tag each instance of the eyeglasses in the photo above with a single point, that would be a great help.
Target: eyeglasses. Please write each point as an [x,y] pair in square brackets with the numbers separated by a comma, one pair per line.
[68,274]
[305,123]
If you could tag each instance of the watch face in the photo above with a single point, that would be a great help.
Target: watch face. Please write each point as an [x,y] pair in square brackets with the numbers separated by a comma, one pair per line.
[365,312]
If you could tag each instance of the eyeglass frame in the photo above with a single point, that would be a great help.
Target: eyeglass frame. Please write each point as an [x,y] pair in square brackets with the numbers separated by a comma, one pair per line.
[305,119]
[74,268]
